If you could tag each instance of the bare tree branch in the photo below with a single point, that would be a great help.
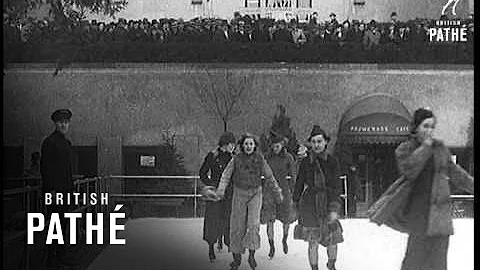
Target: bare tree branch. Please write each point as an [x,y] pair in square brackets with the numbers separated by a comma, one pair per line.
[222,95]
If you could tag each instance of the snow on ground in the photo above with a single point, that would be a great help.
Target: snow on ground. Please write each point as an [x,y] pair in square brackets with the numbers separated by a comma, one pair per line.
[156,243]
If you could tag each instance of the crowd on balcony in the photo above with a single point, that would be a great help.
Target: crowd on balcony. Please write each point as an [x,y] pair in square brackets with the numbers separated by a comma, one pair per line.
[240,30]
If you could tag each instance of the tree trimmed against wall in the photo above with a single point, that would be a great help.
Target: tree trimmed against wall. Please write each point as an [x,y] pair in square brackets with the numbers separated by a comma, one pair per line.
[223,94]
[280,126]
[172,161]
[64,9]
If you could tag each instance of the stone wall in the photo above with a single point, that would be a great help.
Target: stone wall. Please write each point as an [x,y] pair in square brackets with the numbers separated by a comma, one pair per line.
[137,102]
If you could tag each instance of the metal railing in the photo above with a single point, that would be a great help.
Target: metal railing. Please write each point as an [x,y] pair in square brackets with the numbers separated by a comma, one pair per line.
[124,193]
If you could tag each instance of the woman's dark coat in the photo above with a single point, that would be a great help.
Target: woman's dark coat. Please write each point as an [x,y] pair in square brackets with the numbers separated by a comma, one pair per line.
[328,195]
[217,214]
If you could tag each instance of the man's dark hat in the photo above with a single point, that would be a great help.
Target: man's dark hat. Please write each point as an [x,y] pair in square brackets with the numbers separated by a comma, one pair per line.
[61,114]
[317,130]
[333,14]
[226,138]
[418,116]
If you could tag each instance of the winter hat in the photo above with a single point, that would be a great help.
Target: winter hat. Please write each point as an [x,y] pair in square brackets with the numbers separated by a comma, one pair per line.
[418,116]
[275,137]
[226,138]
[317,130]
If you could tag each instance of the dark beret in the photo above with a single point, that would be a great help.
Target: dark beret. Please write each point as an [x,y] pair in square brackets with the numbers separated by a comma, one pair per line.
[61,114]
[226,138]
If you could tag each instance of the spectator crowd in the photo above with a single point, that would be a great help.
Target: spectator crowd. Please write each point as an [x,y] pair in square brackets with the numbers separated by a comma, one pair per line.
[239,30]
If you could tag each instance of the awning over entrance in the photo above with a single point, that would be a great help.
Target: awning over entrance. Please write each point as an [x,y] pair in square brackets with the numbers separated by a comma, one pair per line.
[375,119]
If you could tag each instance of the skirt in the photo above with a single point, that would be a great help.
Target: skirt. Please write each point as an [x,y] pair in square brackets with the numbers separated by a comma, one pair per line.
[326,234]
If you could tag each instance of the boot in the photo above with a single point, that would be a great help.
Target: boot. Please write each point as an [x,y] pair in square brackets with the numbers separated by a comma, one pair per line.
[237,260]
[251,260]
[220,244]
[314,266]
[272,248]
[331,265]
[211,253]
[285,246]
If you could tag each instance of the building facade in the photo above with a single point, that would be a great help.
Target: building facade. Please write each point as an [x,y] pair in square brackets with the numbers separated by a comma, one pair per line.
[285,9]
[122,111]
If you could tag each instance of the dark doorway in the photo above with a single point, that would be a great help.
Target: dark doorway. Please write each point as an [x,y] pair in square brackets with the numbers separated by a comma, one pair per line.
[84,161]
[12,161]
[376,171]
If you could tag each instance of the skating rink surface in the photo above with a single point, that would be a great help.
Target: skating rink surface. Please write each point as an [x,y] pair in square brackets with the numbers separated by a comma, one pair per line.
[171,244]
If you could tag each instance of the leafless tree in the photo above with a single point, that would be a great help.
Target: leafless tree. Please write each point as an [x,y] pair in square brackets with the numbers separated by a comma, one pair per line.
[222,94]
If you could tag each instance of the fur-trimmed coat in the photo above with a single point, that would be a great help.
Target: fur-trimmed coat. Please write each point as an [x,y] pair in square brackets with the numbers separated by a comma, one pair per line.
[411,158]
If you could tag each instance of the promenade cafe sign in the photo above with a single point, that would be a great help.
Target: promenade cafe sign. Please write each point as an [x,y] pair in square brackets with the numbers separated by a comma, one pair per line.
[359,132]
[377,129]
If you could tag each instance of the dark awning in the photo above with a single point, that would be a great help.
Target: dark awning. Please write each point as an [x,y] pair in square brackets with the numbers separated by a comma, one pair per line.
[377,118]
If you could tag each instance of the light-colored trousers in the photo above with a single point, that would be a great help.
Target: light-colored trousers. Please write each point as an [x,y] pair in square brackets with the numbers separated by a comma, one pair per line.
[245,219]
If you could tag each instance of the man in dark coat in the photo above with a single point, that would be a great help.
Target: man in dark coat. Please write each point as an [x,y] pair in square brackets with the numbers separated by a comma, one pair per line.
[241,36]
[221,34]
[282,34]
[217,214]
[56,171]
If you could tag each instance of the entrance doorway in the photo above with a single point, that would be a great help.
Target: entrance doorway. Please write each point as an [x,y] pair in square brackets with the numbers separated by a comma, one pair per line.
[376,170]
[369,132]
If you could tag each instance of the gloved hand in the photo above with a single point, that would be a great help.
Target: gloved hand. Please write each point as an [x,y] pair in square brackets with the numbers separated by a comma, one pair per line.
[208,194]
[302,151]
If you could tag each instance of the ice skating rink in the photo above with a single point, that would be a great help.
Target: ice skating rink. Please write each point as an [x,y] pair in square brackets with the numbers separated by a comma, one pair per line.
[156,243]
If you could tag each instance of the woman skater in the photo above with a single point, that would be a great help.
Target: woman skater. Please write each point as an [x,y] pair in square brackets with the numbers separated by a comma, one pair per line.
[217,214]
[284,169]
[318,204]
[418,203]
[245,171]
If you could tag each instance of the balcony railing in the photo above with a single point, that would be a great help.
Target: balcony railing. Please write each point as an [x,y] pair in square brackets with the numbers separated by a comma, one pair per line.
[148,52]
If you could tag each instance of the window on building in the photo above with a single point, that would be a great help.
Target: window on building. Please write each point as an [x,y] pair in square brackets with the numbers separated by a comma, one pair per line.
[252,3]
[280,3]
[304,3]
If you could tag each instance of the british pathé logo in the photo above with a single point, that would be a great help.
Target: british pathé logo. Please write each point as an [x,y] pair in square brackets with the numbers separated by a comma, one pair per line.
[448,31]
[454,6]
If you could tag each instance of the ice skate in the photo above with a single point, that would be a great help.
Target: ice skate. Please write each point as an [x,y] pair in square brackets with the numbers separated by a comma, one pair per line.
[272,249]
[237,260]
[211,254]
[220,244]
[252,262]
[331,265]
[285,246]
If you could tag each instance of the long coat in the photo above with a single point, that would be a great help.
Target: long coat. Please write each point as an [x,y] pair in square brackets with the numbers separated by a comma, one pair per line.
[217,214]
[282,165]
[317,201]
[411,158]
[55,163]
